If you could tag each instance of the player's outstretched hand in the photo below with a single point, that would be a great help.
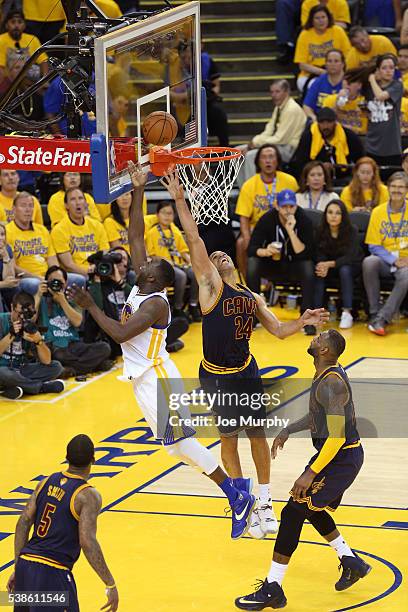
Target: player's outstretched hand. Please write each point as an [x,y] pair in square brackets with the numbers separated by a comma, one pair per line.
[317,317]
[279,442]
[113,600]
[11,582]
[172,183]
[137,174]
[80,296]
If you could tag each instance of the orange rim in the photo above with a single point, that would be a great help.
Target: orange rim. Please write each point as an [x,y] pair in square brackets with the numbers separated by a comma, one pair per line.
[161,159]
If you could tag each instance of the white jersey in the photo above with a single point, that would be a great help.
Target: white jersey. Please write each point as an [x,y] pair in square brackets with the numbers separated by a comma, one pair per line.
[148,349]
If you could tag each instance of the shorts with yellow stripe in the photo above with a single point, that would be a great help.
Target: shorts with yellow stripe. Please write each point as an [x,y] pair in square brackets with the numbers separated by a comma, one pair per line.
[233,389]
[329,485]
[154,391]
[41,573]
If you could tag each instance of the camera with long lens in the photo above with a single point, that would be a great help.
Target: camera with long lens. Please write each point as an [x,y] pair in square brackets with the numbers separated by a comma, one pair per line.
[28,325]
[55,285]
[104,263]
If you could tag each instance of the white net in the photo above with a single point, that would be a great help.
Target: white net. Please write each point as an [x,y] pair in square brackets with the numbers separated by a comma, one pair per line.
[209,183]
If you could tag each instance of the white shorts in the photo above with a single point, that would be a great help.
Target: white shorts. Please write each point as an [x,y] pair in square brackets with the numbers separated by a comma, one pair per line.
[152,390]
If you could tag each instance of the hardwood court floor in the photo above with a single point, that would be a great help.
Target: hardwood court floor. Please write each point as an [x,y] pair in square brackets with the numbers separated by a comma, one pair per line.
[163,528]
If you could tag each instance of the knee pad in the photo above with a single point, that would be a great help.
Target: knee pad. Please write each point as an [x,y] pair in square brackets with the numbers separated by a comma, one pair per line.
[322,522]
[289,531]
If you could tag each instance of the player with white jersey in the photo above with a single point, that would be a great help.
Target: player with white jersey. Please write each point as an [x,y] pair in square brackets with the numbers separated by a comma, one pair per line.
[142,333]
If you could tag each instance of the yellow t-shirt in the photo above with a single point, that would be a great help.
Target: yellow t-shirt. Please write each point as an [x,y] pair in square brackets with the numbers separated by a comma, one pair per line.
[384,230]
[7,212]
[379,45]
[79,240]
[56,207]
[311,48]
[351,115]
[405,83]
[115,231]
[254,201]
[345,197]
[105,209]
[31,248]
[28,44]
[404,117]
[110,8]
[338,8]
[155,245]
[40,10]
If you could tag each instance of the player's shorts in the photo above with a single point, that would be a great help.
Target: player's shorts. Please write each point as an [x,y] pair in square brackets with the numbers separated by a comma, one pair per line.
[33,576]
[235,411]
[153,391]
[330,484]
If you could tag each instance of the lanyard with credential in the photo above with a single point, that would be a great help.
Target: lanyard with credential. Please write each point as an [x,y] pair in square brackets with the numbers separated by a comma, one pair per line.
[318,200]
[270,195]
[169,243]
[396,235]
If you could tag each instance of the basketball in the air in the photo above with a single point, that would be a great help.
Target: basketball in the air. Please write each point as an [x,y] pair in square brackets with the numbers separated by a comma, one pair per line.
[159,128]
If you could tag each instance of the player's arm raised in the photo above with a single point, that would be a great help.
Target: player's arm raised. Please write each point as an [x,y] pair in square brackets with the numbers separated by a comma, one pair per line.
[205,272]
[333,395]
[23,528]
[154,310]
[88,505]
[317,317]
[136,220]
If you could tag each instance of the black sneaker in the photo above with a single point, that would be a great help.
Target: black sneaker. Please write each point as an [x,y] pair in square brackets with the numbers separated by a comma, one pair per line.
[175,346]
[266,595]
[195,313]
[53,386]
[354,568]
[309,330]
[13,393]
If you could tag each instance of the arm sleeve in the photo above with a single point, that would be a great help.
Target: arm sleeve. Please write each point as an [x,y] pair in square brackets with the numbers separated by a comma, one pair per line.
[395,91]
[262,234]
[330,448]
[382,252]
[312,94]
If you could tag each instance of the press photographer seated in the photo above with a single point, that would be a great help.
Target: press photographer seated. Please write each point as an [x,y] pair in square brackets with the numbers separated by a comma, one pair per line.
[25,359]
[62,321]
[165,240]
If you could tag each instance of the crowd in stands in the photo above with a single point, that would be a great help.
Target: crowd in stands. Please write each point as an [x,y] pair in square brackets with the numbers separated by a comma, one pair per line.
[321,204]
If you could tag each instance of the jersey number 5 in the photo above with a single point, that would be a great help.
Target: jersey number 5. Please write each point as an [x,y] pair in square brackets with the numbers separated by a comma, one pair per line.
[45,521]
[243,330]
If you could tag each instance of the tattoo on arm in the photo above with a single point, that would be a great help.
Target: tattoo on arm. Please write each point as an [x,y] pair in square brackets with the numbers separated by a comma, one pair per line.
[24,524]
[333,394]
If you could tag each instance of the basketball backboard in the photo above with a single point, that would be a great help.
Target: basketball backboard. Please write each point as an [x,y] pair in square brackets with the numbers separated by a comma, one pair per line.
[154,64]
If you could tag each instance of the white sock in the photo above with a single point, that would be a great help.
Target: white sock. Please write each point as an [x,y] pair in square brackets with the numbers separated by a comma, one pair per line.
[264,492]
[277,573]
[191,451]
[341,547]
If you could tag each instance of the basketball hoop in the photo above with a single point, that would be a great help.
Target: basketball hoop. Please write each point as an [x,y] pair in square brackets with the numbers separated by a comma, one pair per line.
[207,174]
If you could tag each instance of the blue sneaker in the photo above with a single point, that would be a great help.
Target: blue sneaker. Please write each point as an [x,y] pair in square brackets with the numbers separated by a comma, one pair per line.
[354,568]
[241,512]
[266,595]
[243,484]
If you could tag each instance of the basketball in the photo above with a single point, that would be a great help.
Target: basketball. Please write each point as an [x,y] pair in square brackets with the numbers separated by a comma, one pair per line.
[159,128]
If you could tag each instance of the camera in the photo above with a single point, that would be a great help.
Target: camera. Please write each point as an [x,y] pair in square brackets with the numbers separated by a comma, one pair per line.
[28,325]
[55,285]
[104,262]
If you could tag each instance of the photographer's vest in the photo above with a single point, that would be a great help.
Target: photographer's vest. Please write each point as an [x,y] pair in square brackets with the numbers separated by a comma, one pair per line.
[148,349]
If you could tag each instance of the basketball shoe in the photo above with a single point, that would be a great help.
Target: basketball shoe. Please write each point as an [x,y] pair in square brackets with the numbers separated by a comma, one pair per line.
[241,511]
[354,568]
[266,595]
[243,484]
[269,523]
[255,529]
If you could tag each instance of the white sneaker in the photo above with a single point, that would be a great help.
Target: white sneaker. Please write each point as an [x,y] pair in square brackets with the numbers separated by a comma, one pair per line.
[346,320]
[269,523]
[255,530]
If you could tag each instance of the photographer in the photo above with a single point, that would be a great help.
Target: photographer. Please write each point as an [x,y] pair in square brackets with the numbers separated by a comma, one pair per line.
[110,289]
[62,322]
[25,359]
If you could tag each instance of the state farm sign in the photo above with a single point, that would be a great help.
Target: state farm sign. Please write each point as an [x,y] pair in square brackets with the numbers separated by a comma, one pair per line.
[52,155]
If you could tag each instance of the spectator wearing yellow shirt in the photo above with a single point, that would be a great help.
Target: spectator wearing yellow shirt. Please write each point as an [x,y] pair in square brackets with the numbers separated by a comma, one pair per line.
[43,18]
[77,236]
[56,206]
[387,239]
[165,240]
[365,191]
[9,180]
[365,47]
[258,195]
[403,66]
[338,8]
[8,280]
[318,36]
[31,244]
[349,104]
[117,224]
[14,44]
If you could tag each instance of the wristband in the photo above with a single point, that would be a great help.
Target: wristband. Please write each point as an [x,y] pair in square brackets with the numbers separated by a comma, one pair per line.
[40,342]
[113,586]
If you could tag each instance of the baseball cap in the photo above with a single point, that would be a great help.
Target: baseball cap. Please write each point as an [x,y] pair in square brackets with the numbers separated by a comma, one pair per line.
[286,197]
[326,114]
